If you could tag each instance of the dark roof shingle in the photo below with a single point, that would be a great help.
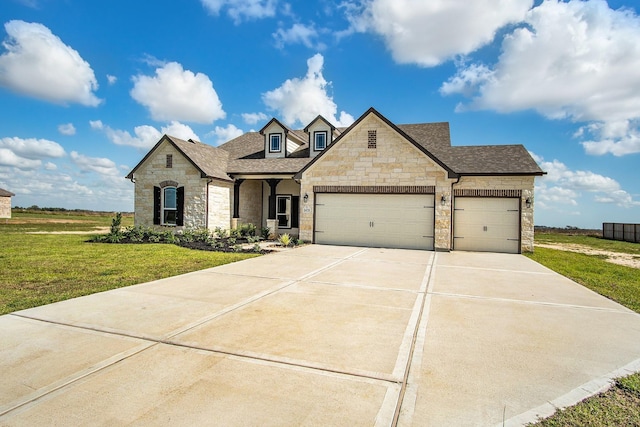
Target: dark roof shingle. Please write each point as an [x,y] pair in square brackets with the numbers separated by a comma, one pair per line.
[5,193]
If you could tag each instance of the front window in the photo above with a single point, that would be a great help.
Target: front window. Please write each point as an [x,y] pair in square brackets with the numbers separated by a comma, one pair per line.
[275,143]
[283,211]
[320,140]
[169,206]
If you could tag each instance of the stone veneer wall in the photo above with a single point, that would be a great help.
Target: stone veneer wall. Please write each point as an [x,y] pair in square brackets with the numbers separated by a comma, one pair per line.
[524,183]
[394,162]
[5,207]
[220,204]
[250,203]
[153,171]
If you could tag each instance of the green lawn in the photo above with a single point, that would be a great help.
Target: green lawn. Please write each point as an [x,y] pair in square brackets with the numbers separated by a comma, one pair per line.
[40,269]
[620,406]
[38,221]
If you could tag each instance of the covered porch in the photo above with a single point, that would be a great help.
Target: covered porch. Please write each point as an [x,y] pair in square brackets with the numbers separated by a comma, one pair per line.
[267,201]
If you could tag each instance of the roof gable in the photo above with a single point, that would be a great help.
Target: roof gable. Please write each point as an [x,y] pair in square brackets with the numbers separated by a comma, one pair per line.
[404,135]
[319,117]
[210,161]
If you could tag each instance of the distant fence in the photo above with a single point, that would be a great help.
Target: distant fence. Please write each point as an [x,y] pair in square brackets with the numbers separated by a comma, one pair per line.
[618,231]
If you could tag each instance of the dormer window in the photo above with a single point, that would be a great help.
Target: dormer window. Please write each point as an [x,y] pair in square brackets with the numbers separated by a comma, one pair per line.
[275,142]
[320,139]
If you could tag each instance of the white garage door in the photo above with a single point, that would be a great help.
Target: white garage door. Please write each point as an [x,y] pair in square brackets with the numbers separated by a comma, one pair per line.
[486,224]
[378,220]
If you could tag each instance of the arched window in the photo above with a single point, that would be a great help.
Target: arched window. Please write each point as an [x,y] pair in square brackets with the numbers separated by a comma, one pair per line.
[169,205]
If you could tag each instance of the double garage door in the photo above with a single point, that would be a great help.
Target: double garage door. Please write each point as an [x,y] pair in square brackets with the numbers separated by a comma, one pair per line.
[377,220]
[489,224]
[486,224]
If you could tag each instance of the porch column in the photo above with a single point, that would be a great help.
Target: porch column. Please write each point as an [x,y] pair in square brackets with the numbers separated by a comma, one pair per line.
[273,184]
[236,203]
[236,197]
[272,222]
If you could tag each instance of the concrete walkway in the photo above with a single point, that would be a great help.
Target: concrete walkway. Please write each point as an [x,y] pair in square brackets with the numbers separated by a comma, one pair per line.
[320,335]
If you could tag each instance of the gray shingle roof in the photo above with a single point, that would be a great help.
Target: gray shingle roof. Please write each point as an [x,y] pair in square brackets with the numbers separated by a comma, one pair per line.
[245,154]
[473,159]
[5,193]
[210,160]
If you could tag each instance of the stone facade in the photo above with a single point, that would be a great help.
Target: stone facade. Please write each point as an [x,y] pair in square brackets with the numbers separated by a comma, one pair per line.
[154,171]
[523,183]
[220,205]
[391,161]
[251,203]
[5,207]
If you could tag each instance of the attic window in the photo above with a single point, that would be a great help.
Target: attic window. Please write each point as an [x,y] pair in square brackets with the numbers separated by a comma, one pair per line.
[169,163]
[372,140]
[320,140]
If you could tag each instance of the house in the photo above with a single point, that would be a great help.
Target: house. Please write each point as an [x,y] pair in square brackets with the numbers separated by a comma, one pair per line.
[374,183]
[5,203]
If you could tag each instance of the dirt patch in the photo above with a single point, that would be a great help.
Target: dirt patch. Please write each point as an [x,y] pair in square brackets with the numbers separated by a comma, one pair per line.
[619,258]
[97,230]
[46,221]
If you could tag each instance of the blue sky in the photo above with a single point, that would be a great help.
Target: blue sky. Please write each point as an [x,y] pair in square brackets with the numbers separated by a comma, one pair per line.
[87,87]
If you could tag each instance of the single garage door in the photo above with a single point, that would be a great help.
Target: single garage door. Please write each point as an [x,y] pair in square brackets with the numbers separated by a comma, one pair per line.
[377,220]
[486,224]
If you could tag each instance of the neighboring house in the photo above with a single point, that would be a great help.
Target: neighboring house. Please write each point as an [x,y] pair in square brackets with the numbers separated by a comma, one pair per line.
[5,203]
[374,183]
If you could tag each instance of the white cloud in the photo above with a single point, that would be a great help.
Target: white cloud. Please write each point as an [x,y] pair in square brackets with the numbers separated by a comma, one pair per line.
[574,60]
[111,79]
[224,134]
[9,158]
[145,136]
[298,33]
[431,32]
[240,10]
[178,94]
[253,118]
[300,100]
[563,185]
[67,129]
[99,165]
[32,148]
[38,64]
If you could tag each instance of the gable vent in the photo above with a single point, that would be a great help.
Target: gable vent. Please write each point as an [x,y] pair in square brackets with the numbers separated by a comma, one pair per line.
[372,140]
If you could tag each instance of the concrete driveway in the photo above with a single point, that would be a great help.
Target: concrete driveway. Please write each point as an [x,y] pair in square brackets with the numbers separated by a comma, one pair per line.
[319,335]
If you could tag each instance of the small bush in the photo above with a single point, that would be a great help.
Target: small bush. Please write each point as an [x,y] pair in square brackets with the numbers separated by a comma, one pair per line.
[285,239]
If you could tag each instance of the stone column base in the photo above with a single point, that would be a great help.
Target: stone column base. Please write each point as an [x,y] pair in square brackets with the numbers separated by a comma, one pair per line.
[272,225]
[234,223]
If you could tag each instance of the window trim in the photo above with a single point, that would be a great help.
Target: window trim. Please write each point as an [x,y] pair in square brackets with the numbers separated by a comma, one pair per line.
[271,140]
[164,209]
[287,212]
[315,140]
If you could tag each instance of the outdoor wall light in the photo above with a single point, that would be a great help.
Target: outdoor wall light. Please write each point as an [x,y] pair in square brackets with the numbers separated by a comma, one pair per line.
[306,197]
[528,202]
[443,200]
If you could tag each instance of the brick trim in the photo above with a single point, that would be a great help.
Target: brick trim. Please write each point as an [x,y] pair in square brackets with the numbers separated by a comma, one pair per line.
[376,189]
[486,193]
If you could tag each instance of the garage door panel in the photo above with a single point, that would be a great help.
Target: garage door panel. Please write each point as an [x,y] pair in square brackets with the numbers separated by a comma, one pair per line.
[487,224]
[384,220]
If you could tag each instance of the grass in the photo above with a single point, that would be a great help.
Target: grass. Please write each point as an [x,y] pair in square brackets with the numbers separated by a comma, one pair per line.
[617,282]
[40,269]
[621,404]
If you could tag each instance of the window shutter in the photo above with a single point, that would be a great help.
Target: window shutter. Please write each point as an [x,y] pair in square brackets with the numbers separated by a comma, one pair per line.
[156,205]
[295,211]
[180,207]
